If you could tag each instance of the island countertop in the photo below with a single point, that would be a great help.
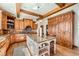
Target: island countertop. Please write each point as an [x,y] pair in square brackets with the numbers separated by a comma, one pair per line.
[39,39]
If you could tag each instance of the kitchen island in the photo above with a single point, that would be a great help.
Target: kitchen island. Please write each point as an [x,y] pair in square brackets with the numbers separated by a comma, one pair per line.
[41,46]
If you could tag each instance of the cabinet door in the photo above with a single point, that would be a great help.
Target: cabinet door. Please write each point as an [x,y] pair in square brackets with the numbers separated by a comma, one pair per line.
[68,34]
[21,25]
[35,26]
[50,30]
[26,23]
[68,40]
[61,33]
[4,21]
[17,24]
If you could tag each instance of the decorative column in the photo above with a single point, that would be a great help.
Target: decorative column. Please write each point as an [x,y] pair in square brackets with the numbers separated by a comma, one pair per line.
[40,32]
[44,29]
[38,29]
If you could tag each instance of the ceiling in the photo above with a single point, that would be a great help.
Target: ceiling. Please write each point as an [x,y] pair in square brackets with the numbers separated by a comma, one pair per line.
[30,10]
[40,8]
[11,7]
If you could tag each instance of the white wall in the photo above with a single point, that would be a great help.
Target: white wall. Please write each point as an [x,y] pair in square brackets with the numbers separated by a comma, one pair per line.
[74,8]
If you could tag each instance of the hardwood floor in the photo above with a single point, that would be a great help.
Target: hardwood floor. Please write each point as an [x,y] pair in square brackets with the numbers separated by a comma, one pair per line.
[61,51]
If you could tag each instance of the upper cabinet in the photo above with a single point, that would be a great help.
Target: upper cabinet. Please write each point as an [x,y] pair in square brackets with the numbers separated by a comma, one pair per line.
[21,24]
[27,22]
[6,21]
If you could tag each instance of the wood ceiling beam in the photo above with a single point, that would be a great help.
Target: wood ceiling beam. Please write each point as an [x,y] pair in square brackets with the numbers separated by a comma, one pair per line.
[31,13]
[57,9]
[18,7]
[61,4]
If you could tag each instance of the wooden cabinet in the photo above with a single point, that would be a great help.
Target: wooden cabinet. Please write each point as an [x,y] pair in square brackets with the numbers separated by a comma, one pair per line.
[62,27]
[22,24]
[27,22]
[34,25]
[17,24]
[31,23]
[10,24]
[5,24]
[7,21]
[4,21]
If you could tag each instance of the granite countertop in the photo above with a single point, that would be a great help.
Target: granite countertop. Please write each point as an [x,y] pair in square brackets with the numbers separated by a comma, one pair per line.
[39,39]
[19,34]
[3,37]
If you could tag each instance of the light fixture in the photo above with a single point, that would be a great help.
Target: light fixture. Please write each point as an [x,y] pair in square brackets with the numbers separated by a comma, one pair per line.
[36,7]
